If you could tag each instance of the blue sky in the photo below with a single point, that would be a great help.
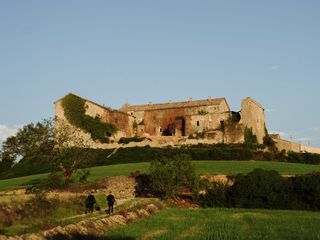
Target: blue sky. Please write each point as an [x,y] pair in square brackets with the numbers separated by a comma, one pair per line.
[116,51]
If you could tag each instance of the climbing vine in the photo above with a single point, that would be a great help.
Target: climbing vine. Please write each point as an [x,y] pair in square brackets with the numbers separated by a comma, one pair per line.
[75,109]
[250,139]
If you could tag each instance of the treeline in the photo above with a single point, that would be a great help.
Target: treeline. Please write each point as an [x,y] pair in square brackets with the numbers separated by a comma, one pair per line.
[265,189]
[97,157]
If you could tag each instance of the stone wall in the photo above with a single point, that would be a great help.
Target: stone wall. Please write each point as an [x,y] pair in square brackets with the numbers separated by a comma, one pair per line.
[294,147]
[185,120]
[122,121]
[61,123]
[252,116]
[156,122]
[210,118]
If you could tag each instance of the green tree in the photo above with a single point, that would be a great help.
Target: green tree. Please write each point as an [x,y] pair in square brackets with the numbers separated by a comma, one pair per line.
[70,150]
[171,176]
[6,161]
[31,140]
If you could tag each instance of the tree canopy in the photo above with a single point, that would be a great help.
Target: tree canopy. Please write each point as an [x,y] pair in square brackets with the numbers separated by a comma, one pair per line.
[31,140]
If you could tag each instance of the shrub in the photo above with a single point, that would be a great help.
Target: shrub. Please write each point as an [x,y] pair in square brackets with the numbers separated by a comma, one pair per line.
[55,181]
[250,139]
[170,176]
[307,191]
[260,189]
[310,158]
[144,187]
[265,189]
[215,194]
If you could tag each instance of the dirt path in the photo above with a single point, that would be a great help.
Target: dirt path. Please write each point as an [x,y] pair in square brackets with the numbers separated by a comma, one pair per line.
[95,226]
[99,214]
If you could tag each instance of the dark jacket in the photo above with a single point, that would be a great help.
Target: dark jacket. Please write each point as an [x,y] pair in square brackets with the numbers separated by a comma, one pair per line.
[110,199]
[90,200]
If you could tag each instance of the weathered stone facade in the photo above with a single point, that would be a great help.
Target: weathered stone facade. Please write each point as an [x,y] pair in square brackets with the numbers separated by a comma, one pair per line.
[292,146]
[209,120]
[121,120]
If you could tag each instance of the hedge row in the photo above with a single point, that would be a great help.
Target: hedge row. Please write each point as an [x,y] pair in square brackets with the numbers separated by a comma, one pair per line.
[98,157]
[265,189]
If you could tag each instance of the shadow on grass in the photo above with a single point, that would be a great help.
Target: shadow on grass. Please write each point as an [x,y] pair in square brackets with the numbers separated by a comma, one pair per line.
[34,182]
[87,237]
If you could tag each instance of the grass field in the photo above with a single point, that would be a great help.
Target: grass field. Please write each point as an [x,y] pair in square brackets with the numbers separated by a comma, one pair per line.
[201,167]
[223,224]
[62,215]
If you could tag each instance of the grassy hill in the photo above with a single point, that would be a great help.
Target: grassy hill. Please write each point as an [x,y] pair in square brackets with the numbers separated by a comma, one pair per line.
[220,223]
[201,167]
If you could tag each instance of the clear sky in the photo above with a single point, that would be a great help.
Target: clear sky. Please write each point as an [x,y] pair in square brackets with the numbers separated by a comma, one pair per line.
[120,51]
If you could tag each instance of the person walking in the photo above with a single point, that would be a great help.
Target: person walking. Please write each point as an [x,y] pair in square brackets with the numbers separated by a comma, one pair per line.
[110,200]
[90,201]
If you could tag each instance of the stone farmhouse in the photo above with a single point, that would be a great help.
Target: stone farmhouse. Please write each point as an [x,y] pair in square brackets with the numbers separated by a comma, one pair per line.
[210,118]
[175,123]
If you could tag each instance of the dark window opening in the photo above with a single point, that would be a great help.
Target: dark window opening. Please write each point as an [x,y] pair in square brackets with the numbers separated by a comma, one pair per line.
[170,130]
[198,123]
[222,125]
[235,116]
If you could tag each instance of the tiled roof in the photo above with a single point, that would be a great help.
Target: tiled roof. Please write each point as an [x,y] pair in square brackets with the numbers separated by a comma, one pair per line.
[168,105]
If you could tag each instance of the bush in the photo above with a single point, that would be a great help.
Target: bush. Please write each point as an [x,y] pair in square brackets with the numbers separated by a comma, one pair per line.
[143,186]
[310,158]
[260,189]
[171,176]
[307,191]
[215,194]
[265,189]
[250,139]
[56,181]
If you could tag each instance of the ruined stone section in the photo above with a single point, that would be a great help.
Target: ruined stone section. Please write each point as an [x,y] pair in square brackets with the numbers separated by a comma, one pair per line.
[178,119]
[163,122]
[309,149]
[292,146]
[61,122]
[253,116]
[233,133]
[122,121]
[172,123]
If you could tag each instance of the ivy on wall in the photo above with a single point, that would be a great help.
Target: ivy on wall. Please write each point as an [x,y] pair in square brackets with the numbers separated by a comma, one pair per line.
[250,139]
[74,111]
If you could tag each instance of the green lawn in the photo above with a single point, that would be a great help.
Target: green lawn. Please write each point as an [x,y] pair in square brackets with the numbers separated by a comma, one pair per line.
[202,167]
[222,224]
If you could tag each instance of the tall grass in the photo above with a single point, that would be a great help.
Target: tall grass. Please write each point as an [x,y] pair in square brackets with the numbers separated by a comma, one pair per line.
[223,224]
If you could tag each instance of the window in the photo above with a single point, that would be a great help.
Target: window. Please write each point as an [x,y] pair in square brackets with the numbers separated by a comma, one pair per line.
[198,123]
[160,130]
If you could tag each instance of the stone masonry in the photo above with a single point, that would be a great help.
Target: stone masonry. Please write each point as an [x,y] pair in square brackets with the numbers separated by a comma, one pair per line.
[210,119]
[175,123]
